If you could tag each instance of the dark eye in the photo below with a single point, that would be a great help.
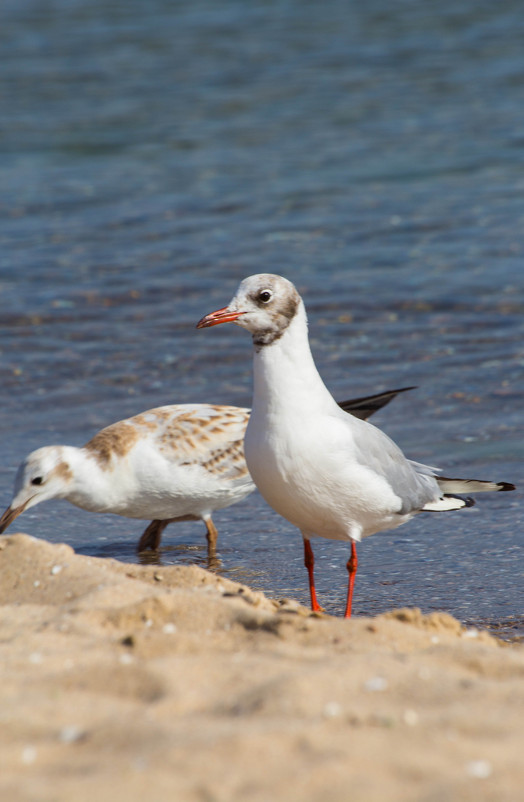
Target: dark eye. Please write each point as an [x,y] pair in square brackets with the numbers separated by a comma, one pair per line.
[265,296]
[37,480]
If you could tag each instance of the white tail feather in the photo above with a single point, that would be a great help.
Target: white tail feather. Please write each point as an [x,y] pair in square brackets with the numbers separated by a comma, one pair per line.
[446,503]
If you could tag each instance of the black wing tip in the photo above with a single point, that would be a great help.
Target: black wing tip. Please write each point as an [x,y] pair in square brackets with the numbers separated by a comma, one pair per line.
[468,501]
[498,486]
[364,406]
[399,390]
[378,396]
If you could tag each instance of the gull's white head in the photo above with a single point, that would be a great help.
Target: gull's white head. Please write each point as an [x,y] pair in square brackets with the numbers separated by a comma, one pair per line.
[43,475]
[264,304]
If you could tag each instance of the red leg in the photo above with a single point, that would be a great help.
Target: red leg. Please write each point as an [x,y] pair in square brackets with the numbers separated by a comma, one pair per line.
[352,564]
[309,562]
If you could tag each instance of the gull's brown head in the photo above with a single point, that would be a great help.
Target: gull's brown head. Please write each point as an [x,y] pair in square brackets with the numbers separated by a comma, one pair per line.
[264,304]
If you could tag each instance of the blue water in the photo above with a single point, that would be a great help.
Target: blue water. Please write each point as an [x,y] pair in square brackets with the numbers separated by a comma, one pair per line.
[153,154]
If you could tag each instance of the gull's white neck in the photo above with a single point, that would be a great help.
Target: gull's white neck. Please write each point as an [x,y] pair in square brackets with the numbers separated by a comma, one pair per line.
[285,375]
[89,488]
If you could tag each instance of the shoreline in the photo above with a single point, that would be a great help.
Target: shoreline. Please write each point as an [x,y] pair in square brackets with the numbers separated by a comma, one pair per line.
[176,683]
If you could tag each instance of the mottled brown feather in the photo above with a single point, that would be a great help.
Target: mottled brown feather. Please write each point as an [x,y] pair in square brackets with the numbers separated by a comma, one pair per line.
[186,436]
[115,440]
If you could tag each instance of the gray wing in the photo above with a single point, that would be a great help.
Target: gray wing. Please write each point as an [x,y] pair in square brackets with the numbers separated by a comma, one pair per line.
[413,482]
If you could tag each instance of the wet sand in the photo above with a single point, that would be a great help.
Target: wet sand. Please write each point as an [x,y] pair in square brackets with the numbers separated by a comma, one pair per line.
[126,682]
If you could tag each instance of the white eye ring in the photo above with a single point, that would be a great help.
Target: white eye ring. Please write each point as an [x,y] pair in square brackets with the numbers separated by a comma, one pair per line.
[265,296]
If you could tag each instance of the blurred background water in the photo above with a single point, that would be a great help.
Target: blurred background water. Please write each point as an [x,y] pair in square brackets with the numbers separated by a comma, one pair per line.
[153,154]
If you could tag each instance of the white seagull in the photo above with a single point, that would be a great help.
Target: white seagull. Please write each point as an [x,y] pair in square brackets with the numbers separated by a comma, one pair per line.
[172,463]
[330,474]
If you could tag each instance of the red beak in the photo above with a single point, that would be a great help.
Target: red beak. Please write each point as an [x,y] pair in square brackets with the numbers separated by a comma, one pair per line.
[224,315]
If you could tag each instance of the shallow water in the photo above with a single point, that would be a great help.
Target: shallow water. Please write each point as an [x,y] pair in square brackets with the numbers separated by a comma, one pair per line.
[152,155]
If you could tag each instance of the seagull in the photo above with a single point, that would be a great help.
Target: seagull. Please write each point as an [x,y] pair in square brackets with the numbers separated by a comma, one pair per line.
[173,463]
[330,474]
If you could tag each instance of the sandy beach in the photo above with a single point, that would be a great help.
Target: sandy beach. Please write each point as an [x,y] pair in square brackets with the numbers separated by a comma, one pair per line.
[126,682]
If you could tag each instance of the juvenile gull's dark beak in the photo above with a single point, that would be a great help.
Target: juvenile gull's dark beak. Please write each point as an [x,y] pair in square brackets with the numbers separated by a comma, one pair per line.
[224,315]
[9,516]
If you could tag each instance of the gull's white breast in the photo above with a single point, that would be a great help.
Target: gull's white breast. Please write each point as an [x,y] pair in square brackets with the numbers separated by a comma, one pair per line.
[307,469]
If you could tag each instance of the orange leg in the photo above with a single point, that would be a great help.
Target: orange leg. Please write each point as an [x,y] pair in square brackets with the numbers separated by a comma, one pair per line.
[211,535]
[309,562]
[352,564]
[213,563]
[152,536]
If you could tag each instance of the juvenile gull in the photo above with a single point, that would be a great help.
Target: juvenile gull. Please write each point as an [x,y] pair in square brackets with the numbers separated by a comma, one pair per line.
[172,463]
[331,475]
